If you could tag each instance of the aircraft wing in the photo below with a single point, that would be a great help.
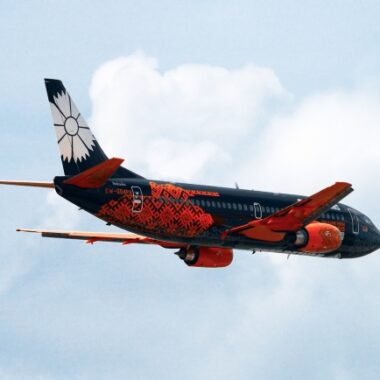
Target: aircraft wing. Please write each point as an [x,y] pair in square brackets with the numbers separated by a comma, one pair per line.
[92,237]
[295,216]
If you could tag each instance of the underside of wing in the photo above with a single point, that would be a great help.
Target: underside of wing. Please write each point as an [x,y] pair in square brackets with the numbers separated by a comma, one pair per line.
[92,237]
[295,216]
[207,257]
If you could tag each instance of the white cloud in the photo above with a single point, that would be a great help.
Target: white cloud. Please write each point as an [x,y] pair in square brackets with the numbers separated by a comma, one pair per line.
[182,122]
[213,125]
[328,137]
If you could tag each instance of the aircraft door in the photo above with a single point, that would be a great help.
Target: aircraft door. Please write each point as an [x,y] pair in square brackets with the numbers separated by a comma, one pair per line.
[354,221]
[138,200]
[258,212]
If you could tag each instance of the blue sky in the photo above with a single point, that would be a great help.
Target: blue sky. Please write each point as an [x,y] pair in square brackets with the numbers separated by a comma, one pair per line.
[303,81]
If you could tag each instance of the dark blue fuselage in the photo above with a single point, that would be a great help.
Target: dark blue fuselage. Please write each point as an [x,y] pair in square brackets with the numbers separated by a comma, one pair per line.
[198,215]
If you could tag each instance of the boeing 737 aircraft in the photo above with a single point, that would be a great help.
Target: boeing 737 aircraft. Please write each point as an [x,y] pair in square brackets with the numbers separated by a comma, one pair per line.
[203,223]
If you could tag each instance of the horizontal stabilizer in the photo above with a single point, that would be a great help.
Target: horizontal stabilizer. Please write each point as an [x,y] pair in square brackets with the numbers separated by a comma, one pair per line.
[49,185]
[96,176]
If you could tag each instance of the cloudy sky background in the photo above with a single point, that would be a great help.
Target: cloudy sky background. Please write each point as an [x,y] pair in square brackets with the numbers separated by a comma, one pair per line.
[275,95]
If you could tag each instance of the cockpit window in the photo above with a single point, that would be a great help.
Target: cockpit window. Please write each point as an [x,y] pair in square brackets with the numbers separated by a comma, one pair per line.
[368,220]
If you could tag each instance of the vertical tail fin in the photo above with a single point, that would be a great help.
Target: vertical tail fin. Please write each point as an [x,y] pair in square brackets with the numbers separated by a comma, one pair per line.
[78,147]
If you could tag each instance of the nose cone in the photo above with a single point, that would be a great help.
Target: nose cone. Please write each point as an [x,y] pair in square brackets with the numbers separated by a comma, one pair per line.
[374,238]
[366,237]
[377,238]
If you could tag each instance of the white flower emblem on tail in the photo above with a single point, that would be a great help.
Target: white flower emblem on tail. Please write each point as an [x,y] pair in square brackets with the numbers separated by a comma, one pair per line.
[74,137]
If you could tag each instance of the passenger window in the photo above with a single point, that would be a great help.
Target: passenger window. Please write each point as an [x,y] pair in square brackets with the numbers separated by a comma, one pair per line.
[251,208]
[213,203]
[223,204]
[208,204]
[240,206]
[229,205]
[234,206]
[245,207]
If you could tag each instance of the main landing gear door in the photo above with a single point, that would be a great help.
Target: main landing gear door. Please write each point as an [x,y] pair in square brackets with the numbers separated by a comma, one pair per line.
[137,201]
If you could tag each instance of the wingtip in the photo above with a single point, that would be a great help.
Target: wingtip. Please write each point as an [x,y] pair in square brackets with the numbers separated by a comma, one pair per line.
[118,160]
[345,186]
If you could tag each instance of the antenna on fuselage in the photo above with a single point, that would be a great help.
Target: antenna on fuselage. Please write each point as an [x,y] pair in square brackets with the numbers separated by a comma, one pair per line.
[237,185]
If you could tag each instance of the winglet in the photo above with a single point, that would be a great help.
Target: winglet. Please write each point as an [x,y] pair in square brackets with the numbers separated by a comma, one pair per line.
[96,176]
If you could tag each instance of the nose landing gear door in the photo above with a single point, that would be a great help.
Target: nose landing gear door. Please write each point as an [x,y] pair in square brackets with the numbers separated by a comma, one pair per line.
[138,200]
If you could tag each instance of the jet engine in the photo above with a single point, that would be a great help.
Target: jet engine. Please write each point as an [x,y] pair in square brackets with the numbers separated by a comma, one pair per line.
[207,257]
[318,238]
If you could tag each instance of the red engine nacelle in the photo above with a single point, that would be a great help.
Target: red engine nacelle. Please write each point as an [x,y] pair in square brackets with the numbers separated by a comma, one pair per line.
[319,238]
[207,257]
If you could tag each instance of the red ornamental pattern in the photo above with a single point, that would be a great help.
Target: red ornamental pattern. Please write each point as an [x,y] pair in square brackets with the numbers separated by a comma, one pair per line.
[167,211]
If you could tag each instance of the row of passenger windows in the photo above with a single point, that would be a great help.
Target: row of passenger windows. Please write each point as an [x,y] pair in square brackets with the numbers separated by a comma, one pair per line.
[240,207]
[207,203]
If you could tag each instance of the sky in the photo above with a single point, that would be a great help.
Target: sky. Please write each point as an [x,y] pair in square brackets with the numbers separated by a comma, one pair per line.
[275,95]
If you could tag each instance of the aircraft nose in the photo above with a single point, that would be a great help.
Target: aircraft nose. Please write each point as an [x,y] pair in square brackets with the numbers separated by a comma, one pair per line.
[376,239]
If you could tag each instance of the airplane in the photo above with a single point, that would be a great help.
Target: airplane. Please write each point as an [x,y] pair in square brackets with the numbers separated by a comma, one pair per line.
[204,224]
